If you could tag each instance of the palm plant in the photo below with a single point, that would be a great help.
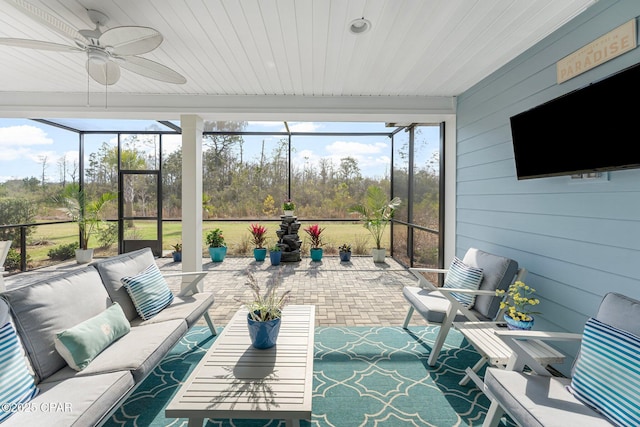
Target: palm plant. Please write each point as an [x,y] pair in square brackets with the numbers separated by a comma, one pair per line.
[376,212]
[87,213]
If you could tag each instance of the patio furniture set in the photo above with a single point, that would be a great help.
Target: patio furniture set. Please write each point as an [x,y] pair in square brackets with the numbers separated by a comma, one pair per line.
[79,385]
[604,386]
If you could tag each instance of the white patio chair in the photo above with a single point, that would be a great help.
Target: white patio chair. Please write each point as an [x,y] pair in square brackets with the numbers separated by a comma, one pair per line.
[441,305]
[4,250]
[604,383]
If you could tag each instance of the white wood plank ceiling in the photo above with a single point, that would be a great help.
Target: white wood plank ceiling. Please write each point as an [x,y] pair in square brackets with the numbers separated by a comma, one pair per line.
[264,50]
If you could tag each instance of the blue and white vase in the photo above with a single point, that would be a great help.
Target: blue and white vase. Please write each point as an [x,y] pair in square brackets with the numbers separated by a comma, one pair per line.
[518,325]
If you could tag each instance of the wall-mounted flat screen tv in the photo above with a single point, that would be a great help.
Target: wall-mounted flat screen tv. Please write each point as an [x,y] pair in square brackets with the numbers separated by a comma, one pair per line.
[595,128]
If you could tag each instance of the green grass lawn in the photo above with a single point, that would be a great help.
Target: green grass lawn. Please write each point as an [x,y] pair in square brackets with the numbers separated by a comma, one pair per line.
[237,236]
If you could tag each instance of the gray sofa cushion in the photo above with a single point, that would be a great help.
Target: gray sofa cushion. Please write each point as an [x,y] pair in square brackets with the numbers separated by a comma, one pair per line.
[432,305]
[113,269]
[139,351]
[74,297]
[497,273]
[189,308]
[537,401]
[78,401]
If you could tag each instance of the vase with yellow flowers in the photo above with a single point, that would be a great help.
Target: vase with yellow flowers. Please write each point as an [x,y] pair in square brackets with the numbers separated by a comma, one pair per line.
[517,305]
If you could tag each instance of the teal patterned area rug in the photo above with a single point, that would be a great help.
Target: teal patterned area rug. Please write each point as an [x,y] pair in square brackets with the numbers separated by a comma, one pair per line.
[363,376]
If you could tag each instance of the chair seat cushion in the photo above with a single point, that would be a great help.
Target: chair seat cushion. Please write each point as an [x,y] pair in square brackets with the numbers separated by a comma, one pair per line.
[432,305]
[537,401]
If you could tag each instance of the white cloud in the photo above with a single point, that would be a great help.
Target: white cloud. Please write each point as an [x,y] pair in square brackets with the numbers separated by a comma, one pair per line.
[356,149]
[20,136]
[372,158]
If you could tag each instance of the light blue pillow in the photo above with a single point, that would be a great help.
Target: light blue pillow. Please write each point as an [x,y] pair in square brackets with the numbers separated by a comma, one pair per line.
[80,344]
[148,291]
[607,375]
[16,382]
[463,276]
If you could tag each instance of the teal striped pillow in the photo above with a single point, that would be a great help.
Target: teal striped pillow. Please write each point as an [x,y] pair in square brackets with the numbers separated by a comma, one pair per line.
[607,375]
[463,276]
[16,382]
[148,291]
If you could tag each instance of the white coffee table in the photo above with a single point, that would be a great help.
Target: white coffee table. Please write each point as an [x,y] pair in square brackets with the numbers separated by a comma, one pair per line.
[496,352]
[235,380]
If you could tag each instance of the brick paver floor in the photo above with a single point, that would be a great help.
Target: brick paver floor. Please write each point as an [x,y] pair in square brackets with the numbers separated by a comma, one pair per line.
[357,293]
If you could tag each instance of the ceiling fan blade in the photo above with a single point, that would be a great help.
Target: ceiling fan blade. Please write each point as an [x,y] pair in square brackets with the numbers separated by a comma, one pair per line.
[37,44]
[47,19]
[130,40]
[105,73]
[151,69]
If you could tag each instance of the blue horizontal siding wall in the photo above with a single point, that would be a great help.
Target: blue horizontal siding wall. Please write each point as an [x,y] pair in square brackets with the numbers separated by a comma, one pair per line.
[577,240]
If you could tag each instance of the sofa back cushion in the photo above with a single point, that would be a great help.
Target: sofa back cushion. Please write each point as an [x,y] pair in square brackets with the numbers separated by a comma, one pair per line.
[115,268]
[42,309]
[497,273]
[620,311]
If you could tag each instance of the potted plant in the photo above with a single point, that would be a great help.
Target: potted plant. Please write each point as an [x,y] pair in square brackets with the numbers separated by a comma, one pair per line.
[376,212]
[177,252]
[217,247]
[275,254]
[258,236]
[88,215]
[516,305]
[315,235]
[345,252]
[288,207]
[265,312]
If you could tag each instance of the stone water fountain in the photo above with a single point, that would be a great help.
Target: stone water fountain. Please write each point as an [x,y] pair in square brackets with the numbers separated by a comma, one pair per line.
[288,239]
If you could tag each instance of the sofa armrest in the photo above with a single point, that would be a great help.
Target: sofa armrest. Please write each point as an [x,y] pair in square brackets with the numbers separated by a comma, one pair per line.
[520,357]
[192,286]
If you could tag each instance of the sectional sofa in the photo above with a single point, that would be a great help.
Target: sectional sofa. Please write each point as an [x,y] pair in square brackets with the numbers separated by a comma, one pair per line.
[82,339]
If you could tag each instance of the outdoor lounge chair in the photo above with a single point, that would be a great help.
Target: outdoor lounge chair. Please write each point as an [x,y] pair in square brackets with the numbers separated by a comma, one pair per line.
[442,305]
[4,250]
[605,384]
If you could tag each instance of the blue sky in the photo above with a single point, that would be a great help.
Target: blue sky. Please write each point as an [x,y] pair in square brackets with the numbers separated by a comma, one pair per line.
[24,144]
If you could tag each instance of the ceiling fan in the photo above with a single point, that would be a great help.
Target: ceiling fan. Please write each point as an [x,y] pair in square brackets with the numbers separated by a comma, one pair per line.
[106,51]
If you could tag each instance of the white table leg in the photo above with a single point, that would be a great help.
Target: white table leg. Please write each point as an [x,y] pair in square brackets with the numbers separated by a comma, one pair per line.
[292,423]
[475,368]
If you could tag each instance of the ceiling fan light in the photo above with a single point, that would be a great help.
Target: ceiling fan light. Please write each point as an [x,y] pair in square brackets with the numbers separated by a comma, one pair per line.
[359,26]
[98,56]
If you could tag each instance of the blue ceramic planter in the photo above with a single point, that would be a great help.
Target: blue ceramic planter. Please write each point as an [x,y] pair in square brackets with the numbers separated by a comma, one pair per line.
[518,324]
[218,254]
[263,334]
[345,256]
[316,254]
[260,254]
[275,257]
[177,256]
